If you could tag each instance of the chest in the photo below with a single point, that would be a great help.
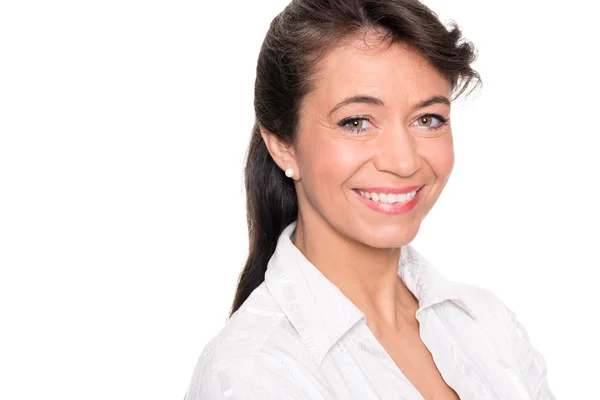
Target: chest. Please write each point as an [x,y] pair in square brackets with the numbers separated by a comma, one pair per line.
[412,357]
[446,358]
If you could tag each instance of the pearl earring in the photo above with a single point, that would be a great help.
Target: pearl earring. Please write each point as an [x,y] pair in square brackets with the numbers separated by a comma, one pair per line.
[289,172]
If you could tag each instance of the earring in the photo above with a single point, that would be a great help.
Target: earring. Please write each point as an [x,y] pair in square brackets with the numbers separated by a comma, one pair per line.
[289,172]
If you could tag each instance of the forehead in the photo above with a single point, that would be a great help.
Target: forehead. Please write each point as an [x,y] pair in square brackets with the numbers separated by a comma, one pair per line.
[367,65]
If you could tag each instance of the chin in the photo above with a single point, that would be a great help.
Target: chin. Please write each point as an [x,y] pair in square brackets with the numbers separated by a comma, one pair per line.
[388,237]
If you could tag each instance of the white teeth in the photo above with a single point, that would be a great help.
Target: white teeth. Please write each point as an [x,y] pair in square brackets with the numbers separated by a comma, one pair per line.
[388,198]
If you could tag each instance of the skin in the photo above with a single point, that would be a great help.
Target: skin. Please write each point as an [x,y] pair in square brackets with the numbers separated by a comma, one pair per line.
[355,247]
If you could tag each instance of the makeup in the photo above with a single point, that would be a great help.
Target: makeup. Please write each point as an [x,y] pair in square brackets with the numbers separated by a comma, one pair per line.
[377,199]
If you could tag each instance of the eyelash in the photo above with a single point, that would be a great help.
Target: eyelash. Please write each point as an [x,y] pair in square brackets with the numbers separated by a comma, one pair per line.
[345,121]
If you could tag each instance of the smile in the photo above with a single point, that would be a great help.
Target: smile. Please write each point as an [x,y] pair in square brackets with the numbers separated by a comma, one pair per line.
[389,203]
[389,198]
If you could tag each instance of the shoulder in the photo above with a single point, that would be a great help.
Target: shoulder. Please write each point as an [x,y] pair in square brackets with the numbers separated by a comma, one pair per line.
[503,328]
[255,355]
[492,314]
[485,303]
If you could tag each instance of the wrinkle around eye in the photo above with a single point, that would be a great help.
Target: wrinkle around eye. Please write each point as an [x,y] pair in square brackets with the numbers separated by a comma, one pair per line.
[364,119]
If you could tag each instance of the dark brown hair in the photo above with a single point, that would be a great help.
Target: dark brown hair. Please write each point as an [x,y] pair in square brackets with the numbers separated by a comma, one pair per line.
[296,41]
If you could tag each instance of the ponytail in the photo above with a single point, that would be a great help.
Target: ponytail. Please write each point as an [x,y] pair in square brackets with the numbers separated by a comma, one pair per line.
[271,205]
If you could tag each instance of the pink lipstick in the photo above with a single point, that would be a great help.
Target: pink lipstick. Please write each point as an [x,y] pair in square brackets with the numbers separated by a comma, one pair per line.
[389,208]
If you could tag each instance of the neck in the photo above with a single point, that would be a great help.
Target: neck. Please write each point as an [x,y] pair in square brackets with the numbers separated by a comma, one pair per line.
[368,276]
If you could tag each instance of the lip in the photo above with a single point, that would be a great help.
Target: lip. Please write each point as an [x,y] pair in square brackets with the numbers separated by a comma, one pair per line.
[395,208]
[393,190]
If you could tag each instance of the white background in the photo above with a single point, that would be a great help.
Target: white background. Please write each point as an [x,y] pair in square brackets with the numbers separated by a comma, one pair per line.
[123,129]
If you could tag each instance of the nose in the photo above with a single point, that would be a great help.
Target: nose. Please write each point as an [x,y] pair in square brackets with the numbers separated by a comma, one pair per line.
[396,152]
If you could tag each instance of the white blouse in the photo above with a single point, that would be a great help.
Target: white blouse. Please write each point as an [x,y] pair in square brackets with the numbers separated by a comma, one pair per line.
[298,337]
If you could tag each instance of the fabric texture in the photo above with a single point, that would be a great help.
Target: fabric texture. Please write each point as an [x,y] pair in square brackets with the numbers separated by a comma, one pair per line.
[299,337]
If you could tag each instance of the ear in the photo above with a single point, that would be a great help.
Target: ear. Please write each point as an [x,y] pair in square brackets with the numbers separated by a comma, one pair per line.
[283,153]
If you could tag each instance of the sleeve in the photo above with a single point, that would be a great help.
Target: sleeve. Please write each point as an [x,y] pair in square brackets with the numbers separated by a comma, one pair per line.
[254,383]
[530,361]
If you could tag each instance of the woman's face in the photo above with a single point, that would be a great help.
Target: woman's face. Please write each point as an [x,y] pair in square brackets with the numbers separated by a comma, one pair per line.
[379,143]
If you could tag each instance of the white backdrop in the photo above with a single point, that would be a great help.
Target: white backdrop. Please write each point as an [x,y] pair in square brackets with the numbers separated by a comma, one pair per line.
[123,128]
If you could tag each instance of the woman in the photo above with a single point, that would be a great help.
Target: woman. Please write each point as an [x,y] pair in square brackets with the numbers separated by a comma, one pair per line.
[351,148]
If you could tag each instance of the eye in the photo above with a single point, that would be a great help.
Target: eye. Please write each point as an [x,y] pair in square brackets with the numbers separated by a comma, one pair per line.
[357,124]
[426,121]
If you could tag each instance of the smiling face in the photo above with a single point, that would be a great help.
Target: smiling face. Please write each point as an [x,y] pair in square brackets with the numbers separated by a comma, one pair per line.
[374,123]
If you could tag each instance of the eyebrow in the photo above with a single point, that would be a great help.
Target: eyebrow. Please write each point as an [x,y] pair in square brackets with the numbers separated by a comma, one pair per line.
[378,102]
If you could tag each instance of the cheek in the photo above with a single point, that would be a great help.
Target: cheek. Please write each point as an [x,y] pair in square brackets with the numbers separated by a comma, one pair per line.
[331,163]
[440,156]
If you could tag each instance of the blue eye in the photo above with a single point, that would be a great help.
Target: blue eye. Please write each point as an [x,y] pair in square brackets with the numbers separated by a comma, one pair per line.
[354,124]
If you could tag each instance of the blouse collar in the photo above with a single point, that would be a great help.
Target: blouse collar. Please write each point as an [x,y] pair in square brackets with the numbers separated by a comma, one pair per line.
[322,314]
